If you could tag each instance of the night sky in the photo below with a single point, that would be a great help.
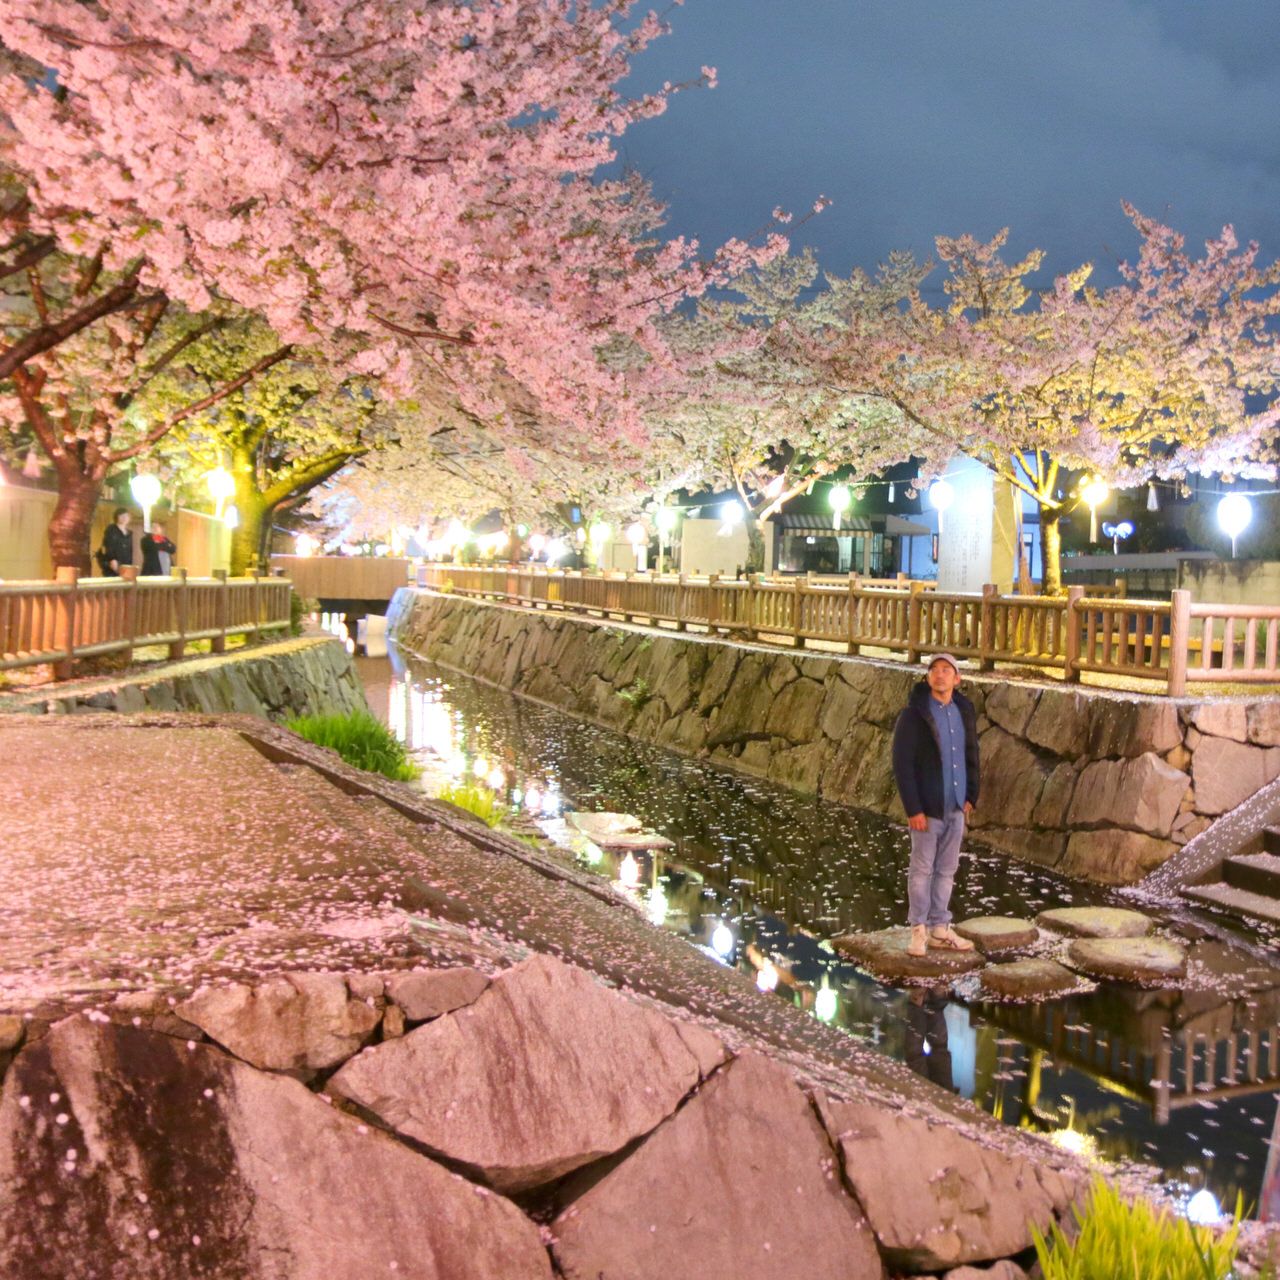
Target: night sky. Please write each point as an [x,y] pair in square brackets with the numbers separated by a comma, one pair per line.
[922,118]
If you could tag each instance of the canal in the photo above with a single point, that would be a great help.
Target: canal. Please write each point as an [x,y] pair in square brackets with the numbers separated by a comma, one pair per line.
[1185,1081]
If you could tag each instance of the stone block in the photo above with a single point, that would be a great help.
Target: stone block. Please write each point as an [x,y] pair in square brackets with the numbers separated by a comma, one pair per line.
[782,671]
[1013,779]
[1010,706]
[935,1198]
[546,1072]
[427,993]
[1221,720]
[1142,794]
[841,710]
[1045,848]
[738,1183]
[1060,723]
[1114,857]
[719,676]
[1059,788]
[794,713]
[294,1022]
[1226,773]
[1264,722]
[799,768]
[1132,726]
[744,710]
[138,1156]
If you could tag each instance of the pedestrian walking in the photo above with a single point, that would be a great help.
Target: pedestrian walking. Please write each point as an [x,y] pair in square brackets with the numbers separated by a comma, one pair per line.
[157,552]
[117,545]
[935,764]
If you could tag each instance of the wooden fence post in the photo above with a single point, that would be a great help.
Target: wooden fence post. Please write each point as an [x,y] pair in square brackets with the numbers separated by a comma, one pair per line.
[681,625]
[851,621]
[65,627]
[129,574]
[1075,622]
[1179,641]
[257,604]
[218,643]
[178,647]
[987,627]
[753,597]
[713,603]
[797,608]
[913,623]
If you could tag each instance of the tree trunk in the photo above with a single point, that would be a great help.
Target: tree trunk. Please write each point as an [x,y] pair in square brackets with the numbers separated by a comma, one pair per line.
[1051,550]
[755,544]
[246,537]
[72,523]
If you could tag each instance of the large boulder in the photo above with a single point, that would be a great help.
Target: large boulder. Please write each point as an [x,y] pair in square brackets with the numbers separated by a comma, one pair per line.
[1226,773]
[545,1072]
[1013,778]
[937,1198]
[1011,705]
[1132,726]
[745,709]
[129,1154]
[795,711]
[737,1184]
[294,1022]
[1141,794]
[1060,723]
[1114,856]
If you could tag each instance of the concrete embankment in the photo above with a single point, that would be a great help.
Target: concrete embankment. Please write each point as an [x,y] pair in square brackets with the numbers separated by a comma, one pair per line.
[310,675]
[1103,786]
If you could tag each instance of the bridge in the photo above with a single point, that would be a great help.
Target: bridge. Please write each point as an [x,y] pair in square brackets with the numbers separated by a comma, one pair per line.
[346,584]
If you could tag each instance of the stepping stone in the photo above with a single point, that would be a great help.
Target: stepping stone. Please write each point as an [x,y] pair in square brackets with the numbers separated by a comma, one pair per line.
[1096,922]
[885,954]
[1146,961]
[1031,979]
[991,934]
[617,831]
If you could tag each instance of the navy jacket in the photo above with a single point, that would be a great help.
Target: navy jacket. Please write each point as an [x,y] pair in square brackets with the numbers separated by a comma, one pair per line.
[917,754]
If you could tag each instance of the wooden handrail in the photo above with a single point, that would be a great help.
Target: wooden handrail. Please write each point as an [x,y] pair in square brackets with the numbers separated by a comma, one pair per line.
[57,622]
[1169,641]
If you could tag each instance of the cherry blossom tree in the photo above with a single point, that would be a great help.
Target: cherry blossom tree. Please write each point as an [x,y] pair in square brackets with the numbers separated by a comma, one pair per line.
[1173,369]
[396,183]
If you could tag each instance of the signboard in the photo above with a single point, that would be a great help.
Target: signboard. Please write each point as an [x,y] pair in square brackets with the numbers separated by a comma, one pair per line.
[964,543]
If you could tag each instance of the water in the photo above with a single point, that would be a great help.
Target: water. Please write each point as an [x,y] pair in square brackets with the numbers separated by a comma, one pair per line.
[1186,1081]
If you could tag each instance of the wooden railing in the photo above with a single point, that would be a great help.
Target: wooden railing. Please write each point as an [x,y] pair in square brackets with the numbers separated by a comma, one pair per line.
[57,622]
[1166,641]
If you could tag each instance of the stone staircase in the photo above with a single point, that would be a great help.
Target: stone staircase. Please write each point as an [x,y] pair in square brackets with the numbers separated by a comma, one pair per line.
[1250,883]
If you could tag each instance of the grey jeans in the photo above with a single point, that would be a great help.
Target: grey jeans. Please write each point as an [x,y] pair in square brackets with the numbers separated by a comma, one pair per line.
[935,854]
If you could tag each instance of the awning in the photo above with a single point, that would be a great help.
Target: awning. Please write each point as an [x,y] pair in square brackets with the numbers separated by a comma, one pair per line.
[814,524]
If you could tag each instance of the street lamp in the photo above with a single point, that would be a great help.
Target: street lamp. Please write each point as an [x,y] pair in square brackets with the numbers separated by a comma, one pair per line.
[231,518]
[840,499]
[1094,492]
[599,535]
[731,514]
[304,545]
[941,495]
[221,487]
[638,536]
[1235,511]
[146,493]
[665,519]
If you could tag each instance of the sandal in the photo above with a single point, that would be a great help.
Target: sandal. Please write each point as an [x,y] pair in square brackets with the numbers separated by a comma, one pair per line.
[947,939]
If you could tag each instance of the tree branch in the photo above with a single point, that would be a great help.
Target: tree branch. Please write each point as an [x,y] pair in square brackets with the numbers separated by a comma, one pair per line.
[307,475]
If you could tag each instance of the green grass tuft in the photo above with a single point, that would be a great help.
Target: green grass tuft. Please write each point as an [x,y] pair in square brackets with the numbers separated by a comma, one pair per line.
[361,741]
[479,801]
[1119,1239]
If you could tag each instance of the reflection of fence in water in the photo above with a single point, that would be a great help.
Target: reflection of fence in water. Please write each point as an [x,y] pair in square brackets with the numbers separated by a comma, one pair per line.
[1211,1057]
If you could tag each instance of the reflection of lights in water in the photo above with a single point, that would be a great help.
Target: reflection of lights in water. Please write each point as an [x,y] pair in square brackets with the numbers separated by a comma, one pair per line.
[629,872]
[1079,1144]
[533,798]
[1203,1208]
[551,803]
[767,976]
[722,940]
[657,905]
[825,1003]
[457,764]
[496,778]
[479,766]
[517,797]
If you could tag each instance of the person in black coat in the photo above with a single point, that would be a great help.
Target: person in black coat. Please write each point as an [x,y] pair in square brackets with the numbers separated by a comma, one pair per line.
[935,764]
[157,552]
[117,544]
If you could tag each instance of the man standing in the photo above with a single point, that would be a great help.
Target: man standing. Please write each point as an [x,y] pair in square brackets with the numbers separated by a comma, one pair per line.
[935,764]
[157,552]
[117,545]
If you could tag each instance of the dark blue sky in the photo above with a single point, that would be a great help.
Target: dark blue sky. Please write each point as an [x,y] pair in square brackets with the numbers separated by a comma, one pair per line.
[928,117]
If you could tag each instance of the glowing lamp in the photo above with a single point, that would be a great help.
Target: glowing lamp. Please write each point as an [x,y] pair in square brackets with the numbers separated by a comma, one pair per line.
[599,535]
[1094,492]
[941,495]
[636,534]
[722,940]
[458,534]
[666,518]
[556,550]
[1117,532]
[767,976]
[1235,511]
[629,872]
[1203,1209]
[146,493]
[825,1003]
[536,543]
[731,513]
[656,907]
[522,531]
[231,518]
[221,487]
[840,499]
[581,535]
[304,545]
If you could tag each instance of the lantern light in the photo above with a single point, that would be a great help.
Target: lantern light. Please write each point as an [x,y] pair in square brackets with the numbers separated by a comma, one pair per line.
[840,499]
[581,535]
[146,493]
[891,492]
[666,518]
[537,542]
[636,533]
[722,940]
[304,545]
[825,1003]
[941,495]
[556,549]
[629,872]
[599,535]
[231,518]
[1153,499]
[221,487]
[767,976]
[522,531]
[1094,492]
[1235,511]
[731,512]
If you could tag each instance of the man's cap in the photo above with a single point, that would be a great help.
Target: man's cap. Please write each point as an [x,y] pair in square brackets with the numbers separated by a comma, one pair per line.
[945,657]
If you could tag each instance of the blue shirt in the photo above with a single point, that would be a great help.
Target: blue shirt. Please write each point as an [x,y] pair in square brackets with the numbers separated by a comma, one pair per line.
[950,727]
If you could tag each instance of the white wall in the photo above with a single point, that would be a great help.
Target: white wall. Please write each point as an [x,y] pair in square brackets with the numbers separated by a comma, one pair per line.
[704,549]
[1231,581]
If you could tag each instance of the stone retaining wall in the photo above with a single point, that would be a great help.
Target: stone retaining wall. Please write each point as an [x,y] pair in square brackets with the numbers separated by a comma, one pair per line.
[447,1124]
[1101,786]
[310,675]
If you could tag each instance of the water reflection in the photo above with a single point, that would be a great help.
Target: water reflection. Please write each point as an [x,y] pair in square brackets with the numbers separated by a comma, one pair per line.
[758,877]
